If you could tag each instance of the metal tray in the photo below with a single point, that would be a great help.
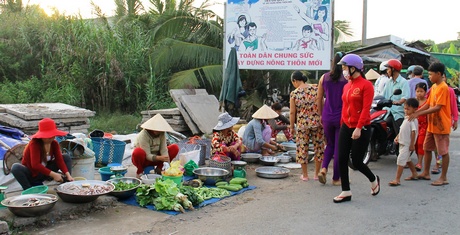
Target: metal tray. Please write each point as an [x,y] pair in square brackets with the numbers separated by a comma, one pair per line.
[250,157]
[272,172]
[69,195]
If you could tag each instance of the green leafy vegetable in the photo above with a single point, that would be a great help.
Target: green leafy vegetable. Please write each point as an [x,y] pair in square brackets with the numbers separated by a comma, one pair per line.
[121,186]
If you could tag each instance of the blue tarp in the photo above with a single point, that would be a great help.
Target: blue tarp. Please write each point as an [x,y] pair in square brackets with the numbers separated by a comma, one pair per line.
[11,137]
[132,201]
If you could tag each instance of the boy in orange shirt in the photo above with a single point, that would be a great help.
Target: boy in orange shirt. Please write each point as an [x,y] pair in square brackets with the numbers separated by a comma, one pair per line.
[439,122]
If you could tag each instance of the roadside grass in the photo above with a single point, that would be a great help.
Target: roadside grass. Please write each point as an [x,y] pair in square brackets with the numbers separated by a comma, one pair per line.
[115,123]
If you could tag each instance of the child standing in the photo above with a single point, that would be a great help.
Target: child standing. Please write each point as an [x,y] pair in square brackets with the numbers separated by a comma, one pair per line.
[420,94]
[281,123]
[439,123]
[406,140]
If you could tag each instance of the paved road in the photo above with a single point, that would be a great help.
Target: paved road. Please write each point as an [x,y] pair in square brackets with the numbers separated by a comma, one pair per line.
[289,206]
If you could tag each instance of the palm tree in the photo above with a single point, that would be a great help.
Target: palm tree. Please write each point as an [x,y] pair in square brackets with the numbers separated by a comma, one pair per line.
[341,29]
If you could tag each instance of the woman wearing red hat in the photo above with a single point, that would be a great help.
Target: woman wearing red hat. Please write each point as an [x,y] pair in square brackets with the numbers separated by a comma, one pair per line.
[43,158]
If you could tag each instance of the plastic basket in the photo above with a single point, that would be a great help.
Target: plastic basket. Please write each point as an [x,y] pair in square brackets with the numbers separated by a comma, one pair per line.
[108,150]
[226,164]
[41,189]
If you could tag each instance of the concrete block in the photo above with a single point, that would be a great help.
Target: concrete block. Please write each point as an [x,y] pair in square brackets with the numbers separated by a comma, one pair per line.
[176,94]
[203,110]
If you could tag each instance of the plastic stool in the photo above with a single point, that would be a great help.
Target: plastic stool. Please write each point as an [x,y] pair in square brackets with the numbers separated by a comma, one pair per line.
[148,169]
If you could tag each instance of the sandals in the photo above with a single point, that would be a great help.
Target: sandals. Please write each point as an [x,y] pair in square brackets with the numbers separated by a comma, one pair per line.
[394,183]
[322,177]
[418,167]
[435,171]
[340,199]
[304,178]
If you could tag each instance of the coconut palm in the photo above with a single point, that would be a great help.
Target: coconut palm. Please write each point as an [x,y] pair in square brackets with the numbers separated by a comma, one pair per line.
[341,29]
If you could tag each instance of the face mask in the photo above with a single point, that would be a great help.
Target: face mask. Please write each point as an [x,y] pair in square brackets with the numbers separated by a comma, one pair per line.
[346,74]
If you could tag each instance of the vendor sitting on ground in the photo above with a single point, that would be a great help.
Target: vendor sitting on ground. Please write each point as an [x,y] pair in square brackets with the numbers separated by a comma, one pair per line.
[280,123]
[150,147]
[42,158]
[257,135]
[225,141]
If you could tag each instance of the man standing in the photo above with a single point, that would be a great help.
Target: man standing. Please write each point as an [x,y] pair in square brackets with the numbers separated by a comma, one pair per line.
[415,74]
[379,85]
[396,112]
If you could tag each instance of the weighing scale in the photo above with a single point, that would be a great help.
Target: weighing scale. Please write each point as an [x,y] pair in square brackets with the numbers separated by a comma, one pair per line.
[118,170]
[239,168]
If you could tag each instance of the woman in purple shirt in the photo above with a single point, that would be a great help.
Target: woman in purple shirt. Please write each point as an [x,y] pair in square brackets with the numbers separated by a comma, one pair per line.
[331,86]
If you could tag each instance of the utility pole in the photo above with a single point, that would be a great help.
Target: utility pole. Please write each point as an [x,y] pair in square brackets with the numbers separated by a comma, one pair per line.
[364,36]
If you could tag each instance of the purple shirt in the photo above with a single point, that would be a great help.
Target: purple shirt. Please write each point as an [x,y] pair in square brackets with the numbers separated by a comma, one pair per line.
[333,104]
[412,83]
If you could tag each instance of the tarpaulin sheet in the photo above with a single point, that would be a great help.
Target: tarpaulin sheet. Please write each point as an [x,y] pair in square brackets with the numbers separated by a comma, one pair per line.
[132,201]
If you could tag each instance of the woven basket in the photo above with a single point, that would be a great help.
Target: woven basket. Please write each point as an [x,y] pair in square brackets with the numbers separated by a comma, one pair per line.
[226,164]
[108,150]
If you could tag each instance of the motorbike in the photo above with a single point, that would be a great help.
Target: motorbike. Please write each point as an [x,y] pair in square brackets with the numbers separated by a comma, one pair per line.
[382,133]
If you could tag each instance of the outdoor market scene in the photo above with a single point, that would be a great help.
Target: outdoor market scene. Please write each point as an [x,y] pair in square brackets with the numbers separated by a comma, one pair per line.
[227,117]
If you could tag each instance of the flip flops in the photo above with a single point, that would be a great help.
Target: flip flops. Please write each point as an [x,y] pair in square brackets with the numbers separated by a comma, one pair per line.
[435,171]
[439,183]
[394,183]
[411,178]
[423,178]
[418,167]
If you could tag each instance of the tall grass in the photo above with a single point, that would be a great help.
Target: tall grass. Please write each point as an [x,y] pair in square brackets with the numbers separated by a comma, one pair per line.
[117,123]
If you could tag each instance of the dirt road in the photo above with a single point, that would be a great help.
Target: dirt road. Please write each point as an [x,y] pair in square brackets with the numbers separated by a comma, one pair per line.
[291,206]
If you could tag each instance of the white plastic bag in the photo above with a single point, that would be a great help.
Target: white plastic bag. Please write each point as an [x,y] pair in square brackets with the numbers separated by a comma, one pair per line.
[190,155]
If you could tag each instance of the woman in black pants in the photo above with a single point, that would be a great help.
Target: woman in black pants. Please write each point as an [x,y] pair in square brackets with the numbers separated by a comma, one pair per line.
[354,134]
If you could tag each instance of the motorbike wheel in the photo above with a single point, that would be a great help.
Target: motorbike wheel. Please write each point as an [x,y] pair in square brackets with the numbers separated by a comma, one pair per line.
[366,159]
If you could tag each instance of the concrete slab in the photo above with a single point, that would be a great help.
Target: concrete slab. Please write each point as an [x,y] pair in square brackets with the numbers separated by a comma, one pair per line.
[176,94]
[41,110]
[151,113]
[203,110]
[15,121]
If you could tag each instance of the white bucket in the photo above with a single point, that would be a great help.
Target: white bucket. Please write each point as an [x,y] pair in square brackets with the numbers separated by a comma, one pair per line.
[83,167]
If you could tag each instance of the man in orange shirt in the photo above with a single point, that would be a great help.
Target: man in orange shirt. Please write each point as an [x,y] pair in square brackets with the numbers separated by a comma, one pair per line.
[439,122]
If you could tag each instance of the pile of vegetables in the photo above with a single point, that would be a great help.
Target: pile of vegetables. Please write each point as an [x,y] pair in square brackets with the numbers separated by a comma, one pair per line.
[166,195]
[122,186]
[235,184]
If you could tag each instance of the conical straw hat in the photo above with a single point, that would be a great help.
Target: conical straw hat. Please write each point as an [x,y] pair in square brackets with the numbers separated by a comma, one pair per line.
[157,123]
[265,112]
[372,75]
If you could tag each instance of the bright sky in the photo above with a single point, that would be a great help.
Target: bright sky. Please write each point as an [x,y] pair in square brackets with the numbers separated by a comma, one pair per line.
[408,19]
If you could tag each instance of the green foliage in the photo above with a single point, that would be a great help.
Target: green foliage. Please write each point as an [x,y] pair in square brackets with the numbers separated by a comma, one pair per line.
[115,122]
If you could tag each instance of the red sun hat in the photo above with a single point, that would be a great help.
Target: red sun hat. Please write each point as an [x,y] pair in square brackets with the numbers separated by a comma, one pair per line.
[47,129]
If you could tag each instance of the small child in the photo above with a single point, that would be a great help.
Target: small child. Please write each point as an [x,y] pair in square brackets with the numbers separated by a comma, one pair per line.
[406,139]
[420,94]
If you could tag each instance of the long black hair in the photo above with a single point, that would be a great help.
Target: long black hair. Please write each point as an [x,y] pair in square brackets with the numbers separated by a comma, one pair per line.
[336,70]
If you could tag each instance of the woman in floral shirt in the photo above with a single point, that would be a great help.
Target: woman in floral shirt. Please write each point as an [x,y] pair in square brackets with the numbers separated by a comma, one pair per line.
[224,140]
[304,113]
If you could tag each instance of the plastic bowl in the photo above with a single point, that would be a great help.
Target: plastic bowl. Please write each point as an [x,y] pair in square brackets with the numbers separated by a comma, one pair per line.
[150,178]
[106,173]
[175,179]
[40,189]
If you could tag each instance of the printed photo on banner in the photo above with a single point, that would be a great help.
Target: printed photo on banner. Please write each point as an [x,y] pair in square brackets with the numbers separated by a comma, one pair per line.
[279,34]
